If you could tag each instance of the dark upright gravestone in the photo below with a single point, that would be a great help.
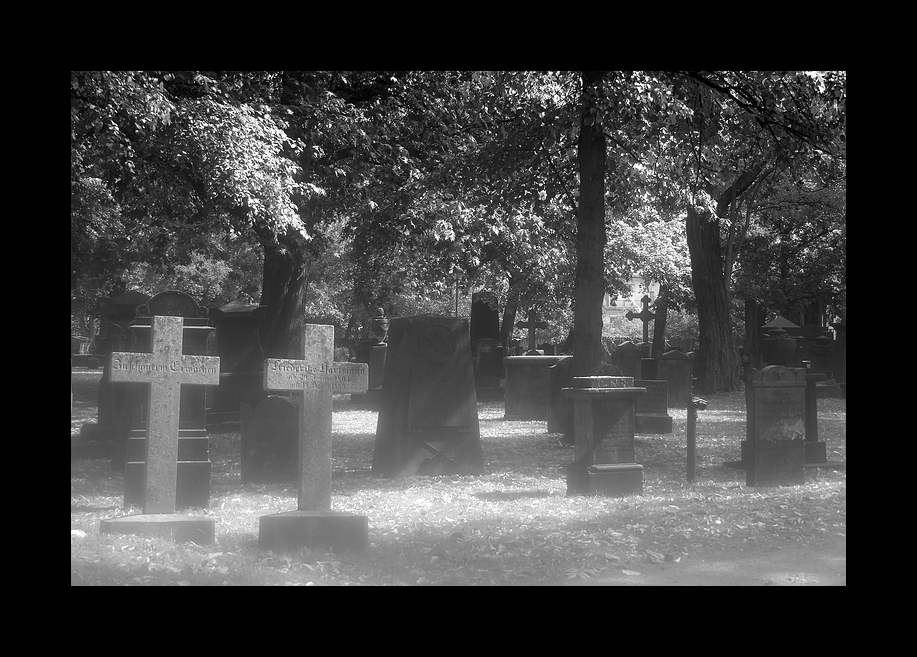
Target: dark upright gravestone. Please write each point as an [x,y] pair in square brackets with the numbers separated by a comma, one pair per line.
[651,410]
[603,427]
[270,440]
[627,357]
[428,419]
[676,368]
[560,409]
[314,524]
[238,344]
[776,401]
[165,371]
[531,325]
[645,316]
[114,419]
[194,466]
[527,387]
[373,352]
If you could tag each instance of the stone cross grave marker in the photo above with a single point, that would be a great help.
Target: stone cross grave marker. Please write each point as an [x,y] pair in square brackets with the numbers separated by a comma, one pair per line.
[531,325]
[166,369]
[644,316]
[318,377]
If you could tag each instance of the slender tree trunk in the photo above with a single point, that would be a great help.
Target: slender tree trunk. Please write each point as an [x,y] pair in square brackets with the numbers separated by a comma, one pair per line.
[717,365]
[283,288]
[590,232]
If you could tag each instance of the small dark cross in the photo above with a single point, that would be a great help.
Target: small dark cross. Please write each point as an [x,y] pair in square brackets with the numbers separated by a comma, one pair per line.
[531,325]
[318,377]
[644,316]
[166,369]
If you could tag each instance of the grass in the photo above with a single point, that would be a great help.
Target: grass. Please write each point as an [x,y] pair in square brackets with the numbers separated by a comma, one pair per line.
[512,525]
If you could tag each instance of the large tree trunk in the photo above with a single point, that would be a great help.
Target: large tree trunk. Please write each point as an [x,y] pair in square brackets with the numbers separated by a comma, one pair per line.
[590,233]
[717,366]
[283,288]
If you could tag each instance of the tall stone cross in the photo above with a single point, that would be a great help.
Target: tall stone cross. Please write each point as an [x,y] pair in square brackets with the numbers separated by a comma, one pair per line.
[318,377]
[166,370]
[644,316]
[531,325]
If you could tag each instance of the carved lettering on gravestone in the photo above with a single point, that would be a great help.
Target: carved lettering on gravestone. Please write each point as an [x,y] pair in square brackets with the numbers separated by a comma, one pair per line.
[166,369]
[318,377]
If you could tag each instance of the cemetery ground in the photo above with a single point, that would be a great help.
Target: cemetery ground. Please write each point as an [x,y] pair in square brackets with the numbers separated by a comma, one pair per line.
[512,525]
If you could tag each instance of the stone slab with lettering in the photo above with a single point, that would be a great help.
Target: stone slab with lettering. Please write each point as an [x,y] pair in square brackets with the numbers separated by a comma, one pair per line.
[318,377]
[777,417]
[428,419]
[676,368]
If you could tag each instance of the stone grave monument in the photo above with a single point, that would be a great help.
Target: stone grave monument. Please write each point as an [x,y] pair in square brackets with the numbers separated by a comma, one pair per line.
[270,441]
[651,411]
[238,344]
[676,368]
[428,417]
[603,427]
[775,426]
[373,352]
[317,376]
[193,440]
[165,371]
[628,357]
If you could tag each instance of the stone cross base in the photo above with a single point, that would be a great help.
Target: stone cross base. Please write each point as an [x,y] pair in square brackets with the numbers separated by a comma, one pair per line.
[172,526]
[325,530]
[606,479]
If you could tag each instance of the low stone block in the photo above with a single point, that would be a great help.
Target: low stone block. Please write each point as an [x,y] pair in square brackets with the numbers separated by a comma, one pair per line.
[325,530]
[177,527]
[606,479]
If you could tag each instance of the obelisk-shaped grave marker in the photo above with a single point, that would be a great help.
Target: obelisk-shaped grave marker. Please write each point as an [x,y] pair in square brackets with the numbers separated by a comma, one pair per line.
[165,369]
[316,374]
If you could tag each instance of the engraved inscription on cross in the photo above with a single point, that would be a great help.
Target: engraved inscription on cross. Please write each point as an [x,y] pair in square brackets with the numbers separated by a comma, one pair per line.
[644,316]
[318,377]
[531,325]
[166,370]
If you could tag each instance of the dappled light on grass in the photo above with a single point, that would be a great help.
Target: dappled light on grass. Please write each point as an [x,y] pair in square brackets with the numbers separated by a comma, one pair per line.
[514,524]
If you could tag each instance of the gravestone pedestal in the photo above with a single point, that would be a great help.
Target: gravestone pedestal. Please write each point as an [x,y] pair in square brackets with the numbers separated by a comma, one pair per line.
[173,526]
[775,454]
[324,530]
[603,427]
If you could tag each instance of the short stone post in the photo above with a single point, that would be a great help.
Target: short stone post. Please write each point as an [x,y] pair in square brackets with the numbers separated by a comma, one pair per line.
[696,404]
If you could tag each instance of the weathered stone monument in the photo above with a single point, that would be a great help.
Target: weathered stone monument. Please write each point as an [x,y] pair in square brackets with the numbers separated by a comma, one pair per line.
[270,441]
[373,352]
[314,524]
[193,487]
[428,418]
[531,325]
[238,344]
[776,426]
[527,395]
[676,368]
[645,316]
[166,370]
[628,357]
[651,411]
[603,426]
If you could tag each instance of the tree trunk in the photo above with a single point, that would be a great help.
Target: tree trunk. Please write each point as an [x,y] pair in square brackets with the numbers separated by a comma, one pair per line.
[717,365]
[590,233]
[283,288]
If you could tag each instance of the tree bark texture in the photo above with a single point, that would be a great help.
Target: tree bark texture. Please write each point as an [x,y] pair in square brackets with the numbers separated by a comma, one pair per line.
[716,365]
[590,232]
[283,289]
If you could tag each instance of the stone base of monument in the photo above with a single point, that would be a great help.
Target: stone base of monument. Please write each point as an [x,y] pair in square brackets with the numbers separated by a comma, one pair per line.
[777,464]
[815,454]
[325,530]
[652,423]
[177,527]
[606,479]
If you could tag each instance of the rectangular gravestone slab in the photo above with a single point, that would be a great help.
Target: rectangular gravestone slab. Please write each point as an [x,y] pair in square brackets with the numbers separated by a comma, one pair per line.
[651,412]
[778,423]
[605,479]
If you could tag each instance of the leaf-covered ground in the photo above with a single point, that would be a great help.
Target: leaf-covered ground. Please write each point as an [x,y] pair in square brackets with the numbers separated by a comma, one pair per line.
[513,525]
